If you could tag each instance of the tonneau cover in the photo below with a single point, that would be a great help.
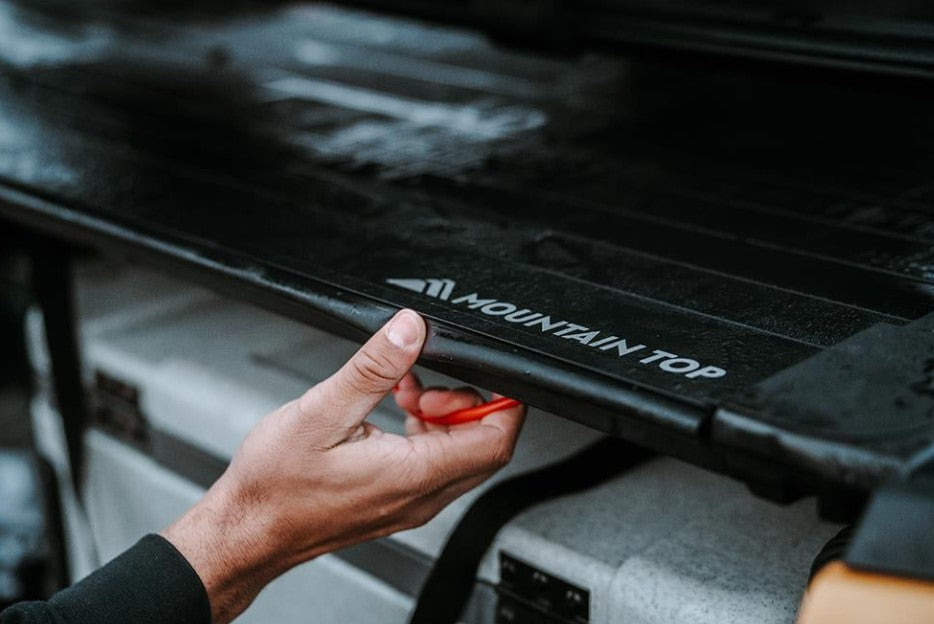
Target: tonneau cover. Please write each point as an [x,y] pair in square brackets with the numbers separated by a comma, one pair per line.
[638,245]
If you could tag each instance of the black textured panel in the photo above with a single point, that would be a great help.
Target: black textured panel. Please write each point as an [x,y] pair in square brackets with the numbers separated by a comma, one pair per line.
[725,222]
[865,407]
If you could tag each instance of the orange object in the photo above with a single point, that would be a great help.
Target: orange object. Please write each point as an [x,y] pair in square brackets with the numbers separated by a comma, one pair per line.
[469,414]
[839,594]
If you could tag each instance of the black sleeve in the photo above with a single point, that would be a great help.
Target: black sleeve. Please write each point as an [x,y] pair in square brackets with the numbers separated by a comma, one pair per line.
[151,583]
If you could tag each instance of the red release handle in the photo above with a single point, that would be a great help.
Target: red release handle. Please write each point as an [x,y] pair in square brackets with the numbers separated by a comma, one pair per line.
[469,414]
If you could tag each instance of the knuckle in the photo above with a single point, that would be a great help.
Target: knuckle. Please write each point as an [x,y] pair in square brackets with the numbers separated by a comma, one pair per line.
[502,454]
[422,484]
[309,403]
[371,371]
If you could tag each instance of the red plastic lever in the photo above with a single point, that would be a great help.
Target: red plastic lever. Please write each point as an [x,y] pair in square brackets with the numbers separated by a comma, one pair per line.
[469,414]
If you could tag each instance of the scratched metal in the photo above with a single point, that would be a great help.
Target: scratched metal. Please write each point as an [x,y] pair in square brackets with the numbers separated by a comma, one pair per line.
[739,218]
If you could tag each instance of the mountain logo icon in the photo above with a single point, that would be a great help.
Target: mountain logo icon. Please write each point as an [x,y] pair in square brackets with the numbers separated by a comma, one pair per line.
[437,288]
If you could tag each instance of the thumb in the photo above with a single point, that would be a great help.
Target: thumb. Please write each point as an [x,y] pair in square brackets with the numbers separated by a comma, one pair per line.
[345,399]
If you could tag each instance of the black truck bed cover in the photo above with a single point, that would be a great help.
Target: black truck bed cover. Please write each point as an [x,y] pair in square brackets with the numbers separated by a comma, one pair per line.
[716,260]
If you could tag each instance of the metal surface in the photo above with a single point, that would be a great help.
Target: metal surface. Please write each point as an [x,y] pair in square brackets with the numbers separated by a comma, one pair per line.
[301,158]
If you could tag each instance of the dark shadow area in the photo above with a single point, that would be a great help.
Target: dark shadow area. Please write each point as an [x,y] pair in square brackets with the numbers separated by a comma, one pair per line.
[32,564]
[14,366]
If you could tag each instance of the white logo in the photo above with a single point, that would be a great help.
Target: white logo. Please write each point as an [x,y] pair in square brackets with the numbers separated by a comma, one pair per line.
[437,288]
[588,337]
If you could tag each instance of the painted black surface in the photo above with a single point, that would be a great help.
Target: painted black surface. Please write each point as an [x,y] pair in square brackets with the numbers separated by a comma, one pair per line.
[299,157]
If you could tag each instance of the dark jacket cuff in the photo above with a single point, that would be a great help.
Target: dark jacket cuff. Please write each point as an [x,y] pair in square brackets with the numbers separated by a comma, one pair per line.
[151,583]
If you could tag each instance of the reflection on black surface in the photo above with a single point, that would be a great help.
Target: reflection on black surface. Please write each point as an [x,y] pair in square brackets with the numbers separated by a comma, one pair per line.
[751,216]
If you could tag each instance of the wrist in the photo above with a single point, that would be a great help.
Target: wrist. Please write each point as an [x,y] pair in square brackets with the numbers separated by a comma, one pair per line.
[230,544]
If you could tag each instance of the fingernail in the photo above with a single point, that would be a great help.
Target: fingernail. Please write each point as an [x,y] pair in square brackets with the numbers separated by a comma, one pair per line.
[403,330]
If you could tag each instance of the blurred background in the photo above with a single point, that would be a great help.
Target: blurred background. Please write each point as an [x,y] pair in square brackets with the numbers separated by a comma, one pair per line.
[31,562]
[724,159]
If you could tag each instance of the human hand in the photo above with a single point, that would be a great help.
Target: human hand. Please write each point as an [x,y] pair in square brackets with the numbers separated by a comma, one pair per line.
[314,476]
